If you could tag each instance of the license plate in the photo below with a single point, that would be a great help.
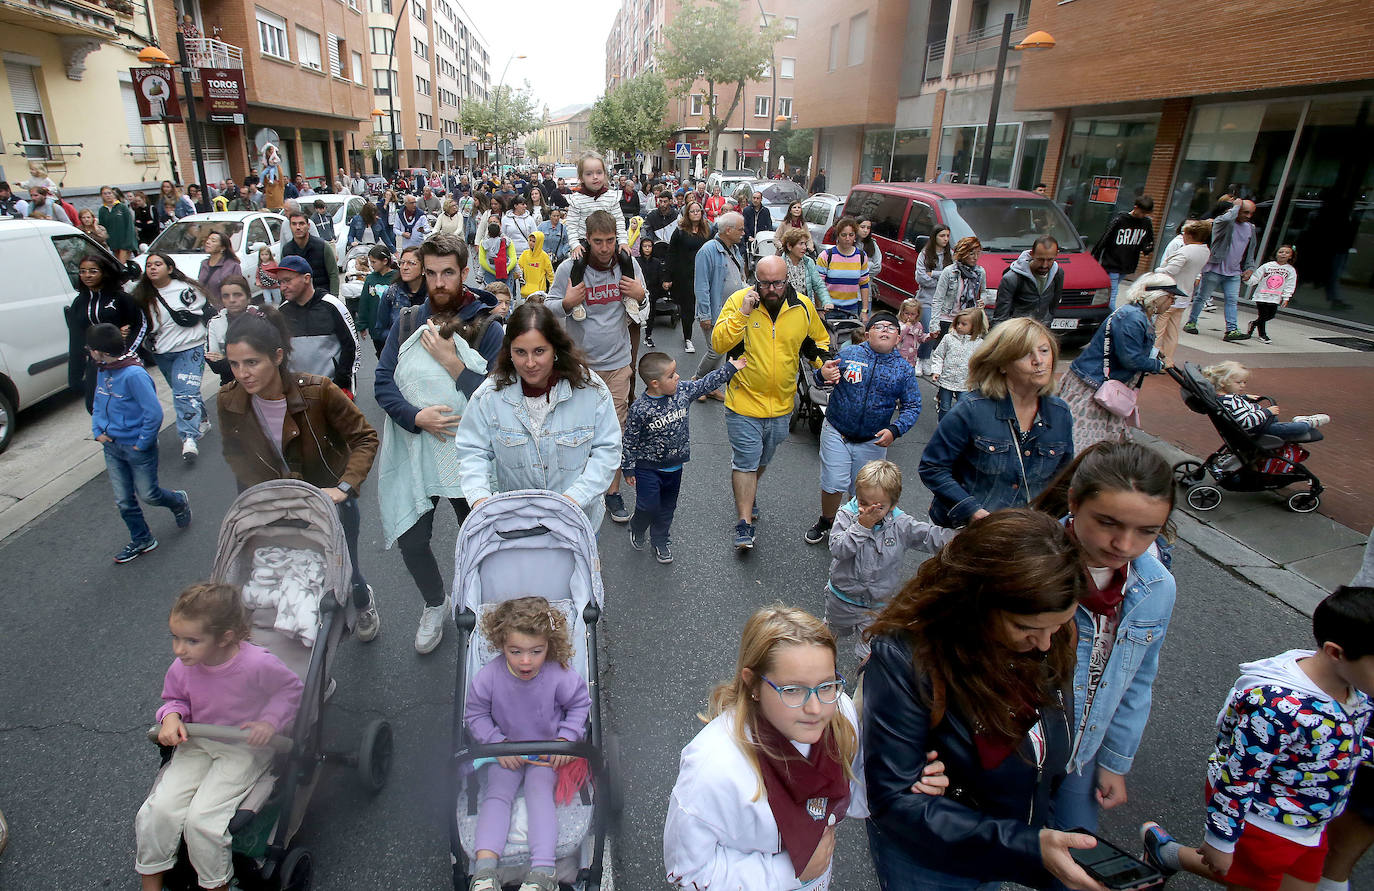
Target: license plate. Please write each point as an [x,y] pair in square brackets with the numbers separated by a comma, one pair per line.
[1064,323]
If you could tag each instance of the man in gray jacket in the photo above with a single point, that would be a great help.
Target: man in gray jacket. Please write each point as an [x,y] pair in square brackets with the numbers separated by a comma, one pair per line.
[1032,285]
[719,273]
[1232,262]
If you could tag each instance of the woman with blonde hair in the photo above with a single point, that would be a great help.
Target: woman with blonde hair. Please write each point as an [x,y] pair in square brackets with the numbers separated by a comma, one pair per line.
[1008,436]
[449,222]
[960,285]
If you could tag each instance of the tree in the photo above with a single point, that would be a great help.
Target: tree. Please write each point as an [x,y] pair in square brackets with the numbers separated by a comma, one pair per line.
[536,147]
[510,114]
[794,145]
[630,117]
[710,41]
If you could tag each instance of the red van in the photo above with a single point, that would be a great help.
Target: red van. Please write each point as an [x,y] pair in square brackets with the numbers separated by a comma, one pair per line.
[1006,222]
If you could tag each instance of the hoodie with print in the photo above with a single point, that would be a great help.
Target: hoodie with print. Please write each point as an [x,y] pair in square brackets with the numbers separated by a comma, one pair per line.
[536,266]
[1022,293]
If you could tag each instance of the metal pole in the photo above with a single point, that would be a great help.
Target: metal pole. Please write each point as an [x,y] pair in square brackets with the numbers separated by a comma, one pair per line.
[193,126]
[171,150]
[391,77]
[986,164]
[496,110]
[773,103]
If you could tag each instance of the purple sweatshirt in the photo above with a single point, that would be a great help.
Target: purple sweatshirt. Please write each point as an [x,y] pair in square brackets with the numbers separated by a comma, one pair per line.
[252,686]
[501,707]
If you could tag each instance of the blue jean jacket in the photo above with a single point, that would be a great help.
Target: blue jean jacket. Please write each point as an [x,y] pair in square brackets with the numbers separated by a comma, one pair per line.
[575,453]
[379,229]
[971,461]
[1121,706]
[1133,349]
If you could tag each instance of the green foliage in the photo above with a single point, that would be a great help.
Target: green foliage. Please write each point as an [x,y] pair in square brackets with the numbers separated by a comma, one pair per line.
[794,145]
[536,147]
[510,113]
[630,117]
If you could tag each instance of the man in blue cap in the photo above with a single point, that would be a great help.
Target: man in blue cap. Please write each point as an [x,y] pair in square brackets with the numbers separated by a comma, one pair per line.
[322,338]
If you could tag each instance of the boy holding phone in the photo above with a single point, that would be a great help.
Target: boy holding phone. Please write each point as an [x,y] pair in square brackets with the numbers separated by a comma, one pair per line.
[1289,741]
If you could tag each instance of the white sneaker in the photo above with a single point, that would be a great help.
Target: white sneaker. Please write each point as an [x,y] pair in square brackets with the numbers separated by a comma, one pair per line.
[687,347]
[431,630]
[369,623]
[205,426]
[1314,420]
[189,450]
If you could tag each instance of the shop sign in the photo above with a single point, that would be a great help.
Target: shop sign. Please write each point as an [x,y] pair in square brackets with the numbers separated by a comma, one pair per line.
[156,94]
[225,102]
[1105,189]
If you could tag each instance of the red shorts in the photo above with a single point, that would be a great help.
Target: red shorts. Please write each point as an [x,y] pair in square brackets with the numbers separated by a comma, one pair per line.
[1262,859]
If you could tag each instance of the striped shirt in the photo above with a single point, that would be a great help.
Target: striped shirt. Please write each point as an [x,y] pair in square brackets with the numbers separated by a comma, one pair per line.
[844,275]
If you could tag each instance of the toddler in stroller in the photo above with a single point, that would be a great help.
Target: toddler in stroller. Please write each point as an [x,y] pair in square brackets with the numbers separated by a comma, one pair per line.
[1231,379]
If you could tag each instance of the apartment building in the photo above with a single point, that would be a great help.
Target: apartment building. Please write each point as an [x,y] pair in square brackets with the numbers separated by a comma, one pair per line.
[441,60]
[631,49]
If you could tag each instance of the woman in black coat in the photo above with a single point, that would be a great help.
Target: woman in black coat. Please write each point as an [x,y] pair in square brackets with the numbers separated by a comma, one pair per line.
[100,297]
[691,233]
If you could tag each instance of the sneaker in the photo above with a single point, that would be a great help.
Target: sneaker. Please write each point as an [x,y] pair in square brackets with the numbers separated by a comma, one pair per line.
[369,623]
[663,553]
[744,536]
[189,450]
[1190,328]
[1264,338]
[819,531]
[431,630]
[1153,838]
[539,881]
[133,549]
[484,881]
[1234,336]
[649,342]
[183,513]
[1314,420]
[205,426]
[1210,307]
[638,541]
[615,506]
[688,348]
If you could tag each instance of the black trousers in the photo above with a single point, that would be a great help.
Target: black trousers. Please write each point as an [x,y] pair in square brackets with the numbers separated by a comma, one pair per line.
[419,556]
[1266,311]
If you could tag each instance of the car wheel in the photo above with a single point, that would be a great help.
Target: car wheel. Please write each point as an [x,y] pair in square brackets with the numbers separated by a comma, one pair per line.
[7,421]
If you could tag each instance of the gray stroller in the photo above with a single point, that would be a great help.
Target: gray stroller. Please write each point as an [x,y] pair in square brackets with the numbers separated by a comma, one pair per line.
[296,515]
[518,544]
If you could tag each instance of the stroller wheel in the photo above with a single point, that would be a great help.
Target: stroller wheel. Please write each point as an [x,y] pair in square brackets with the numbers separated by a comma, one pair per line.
[374,755]
[1189,473]
[297,870]
[1204,497]
[1304,502]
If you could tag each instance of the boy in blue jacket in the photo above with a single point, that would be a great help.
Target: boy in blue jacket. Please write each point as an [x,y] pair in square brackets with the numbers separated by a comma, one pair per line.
[874,383]
[125,419]
[656,443]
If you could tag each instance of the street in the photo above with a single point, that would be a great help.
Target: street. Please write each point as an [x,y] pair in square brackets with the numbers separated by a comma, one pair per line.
[86,646]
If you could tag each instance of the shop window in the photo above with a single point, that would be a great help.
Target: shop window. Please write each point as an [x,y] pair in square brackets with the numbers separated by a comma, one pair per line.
[876,161]
[910,149]
[1106,162]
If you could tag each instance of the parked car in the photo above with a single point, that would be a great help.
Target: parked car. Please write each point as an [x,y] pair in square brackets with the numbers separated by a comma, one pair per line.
[821,212]
[342,208]
[38,264]
[376,184]
[184,240]
[778,195]
[728,180]
[567,173]
[1006,221]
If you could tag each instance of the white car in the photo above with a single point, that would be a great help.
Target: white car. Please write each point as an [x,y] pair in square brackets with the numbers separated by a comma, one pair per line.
[184,240]
[343,208]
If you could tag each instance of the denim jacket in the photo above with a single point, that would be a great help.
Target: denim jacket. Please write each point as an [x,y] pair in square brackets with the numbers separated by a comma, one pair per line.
[714,279]
[379,229]
[971,461]
[1133,349]
[1121,705]
[575,453]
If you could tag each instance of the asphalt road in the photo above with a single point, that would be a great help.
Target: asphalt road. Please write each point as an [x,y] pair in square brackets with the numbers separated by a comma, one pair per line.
[85,647]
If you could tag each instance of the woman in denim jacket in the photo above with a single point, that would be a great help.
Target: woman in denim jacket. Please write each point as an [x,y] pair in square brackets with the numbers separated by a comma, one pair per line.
[1116,499]
[1008,437]
[542,420]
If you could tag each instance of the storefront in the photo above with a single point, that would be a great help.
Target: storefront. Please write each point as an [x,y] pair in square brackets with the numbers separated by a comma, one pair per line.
[901,155]
[1106,163]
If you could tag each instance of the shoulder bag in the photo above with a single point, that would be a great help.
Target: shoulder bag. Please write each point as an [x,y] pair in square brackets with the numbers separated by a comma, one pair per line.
[1115,396]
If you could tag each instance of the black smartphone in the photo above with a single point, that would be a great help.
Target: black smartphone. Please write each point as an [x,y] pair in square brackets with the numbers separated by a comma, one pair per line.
[1115,868]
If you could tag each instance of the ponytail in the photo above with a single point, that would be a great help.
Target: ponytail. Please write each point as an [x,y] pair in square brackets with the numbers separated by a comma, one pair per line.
[264,329]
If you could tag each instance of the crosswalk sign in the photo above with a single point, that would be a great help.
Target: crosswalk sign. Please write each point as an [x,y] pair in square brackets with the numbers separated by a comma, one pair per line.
[683,151]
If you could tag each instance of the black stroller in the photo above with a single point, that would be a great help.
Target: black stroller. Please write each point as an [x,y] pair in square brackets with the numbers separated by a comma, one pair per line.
[665,307]
[1247,461]
[809,406]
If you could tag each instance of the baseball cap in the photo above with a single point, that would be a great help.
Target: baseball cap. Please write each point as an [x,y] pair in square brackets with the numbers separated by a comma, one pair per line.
[290,264]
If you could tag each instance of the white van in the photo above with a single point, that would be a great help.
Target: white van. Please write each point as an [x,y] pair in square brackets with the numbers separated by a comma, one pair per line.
[38,264]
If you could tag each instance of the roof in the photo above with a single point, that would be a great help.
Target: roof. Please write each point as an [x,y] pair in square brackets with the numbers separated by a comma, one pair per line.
[567,113]
[945,190]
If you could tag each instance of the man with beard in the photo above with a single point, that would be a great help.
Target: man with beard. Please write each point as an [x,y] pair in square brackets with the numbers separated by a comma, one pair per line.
[445,259]
[758,400]
[322,332]
[662,220]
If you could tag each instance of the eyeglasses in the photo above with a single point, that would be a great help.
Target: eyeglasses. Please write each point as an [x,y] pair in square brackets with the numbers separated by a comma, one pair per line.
[764,285]
[797,695]
[883,326]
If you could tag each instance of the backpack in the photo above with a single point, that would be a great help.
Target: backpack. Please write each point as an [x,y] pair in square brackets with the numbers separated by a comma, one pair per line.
[831,252]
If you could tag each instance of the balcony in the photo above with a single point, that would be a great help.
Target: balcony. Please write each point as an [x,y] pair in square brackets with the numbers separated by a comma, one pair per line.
[974,51]
[65,18]
[207,52]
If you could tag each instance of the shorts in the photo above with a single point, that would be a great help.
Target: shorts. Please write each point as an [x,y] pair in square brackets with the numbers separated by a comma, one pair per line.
[1262,859]
[841,459]
[617,380]
[753,440]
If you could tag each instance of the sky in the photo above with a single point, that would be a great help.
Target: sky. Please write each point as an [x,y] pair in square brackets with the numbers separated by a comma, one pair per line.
[565,43]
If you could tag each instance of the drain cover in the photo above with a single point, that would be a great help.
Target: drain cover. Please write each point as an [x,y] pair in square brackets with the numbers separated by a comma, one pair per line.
[1350,343]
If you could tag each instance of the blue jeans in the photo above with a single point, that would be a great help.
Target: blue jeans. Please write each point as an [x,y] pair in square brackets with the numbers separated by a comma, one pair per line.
[842,459]
[1230,289]
[655,503]
[351,520]
[753,440]
[509,281]
[898,871]
[1075,804]
[945,400]
[1286,429]
[182,372]
[924,350]
[133,475]
[1115,279]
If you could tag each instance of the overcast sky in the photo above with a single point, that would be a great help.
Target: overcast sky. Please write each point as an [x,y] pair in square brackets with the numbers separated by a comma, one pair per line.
[565,43]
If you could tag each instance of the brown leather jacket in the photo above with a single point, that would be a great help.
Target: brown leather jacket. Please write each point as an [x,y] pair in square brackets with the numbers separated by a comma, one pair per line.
[326,439]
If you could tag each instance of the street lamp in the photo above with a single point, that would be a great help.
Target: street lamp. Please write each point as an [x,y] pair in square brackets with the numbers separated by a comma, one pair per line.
[377,115]
[496,108]
[1036,40]
[153,55]
[772,103]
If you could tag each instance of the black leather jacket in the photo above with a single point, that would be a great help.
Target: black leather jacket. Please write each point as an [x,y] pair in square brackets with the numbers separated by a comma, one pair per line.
[988,823]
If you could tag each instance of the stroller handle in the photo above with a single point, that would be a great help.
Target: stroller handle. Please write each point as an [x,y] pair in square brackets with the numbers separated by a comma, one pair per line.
[220,733]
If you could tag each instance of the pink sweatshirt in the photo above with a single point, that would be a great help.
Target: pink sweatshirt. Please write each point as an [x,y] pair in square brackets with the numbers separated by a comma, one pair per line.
[912,337]
[252,686]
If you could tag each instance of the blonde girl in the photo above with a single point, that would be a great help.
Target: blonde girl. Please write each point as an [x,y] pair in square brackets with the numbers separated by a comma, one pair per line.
[199,790]
[913,333]
[270,287]
[527,693]
[1231,380]
[949,362]
[593,195]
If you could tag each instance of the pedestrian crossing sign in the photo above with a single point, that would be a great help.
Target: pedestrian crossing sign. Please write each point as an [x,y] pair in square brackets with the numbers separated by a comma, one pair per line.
[683,151]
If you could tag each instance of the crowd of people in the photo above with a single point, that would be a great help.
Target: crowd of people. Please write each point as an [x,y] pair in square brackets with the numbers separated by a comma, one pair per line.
[1005,688]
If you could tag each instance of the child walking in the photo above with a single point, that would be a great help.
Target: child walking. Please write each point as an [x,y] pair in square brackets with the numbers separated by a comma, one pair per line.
[1289,741]
[217,678]
[270,287]
[1231,380]
[1277,282]
[867,542]
[527,693]
[913,333]
[949,361]
[125,418]
[234,297]
[657,444]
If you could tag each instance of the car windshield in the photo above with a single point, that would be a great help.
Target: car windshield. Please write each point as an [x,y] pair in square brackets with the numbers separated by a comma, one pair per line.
[1010,224]
[188,236]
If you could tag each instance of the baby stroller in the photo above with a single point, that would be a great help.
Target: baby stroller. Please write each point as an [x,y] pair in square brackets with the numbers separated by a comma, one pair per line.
[665,307]
[812,398]
[518,544]
[1247,461]
[296,515]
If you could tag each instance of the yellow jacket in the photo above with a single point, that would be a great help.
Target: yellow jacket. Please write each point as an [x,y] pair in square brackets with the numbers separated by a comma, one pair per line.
[765,388]
[536,266]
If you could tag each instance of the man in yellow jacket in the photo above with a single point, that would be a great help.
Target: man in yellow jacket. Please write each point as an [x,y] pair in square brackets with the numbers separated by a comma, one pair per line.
[768,325]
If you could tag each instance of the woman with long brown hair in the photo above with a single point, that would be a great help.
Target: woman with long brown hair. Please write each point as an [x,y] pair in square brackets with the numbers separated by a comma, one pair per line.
[680,279]
[974,658]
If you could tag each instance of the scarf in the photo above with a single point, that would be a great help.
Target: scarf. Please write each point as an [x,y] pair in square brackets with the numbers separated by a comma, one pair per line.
[408,223]
[970,288]
[802,791]
[544,391]
[131,359]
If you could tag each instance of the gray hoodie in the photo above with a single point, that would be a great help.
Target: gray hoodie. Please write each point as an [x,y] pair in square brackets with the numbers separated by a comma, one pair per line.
[1020,293]
[867,564]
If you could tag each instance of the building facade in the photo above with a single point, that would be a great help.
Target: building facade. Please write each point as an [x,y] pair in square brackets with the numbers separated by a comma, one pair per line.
[565,135]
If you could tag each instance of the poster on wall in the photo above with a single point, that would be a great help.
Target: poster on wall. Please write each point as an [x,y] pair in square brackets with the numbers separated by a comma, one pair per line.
[156,94]
[877,174]
[1105,189]
[225,102]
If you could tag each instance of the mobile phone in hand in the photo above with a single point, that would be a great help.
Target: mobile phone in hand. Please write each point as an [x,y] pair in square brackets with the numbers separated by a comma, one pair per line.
[1115,868]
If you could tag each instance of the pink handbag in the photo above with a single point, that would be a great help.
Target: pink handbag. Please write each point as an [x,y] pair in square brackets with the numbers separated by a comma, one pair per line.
[1115,396]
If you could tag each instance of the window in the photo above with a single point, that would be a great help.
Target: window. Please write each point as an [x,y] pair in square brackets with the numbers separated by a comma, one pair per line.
[787,67]
[761,106]
[308,48]
[132,123]
[834,47]
[272,35]
[357,60]
[887,216]
[426,122]
[337,54]
[790,24]
[422,85]
[858,38]
[418,10]
[257,233]
[72,249]
[420,47]
[33,130]
[919,224]
[379,6]
[695,105]
[381,81]
[381,40]
[784,107]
